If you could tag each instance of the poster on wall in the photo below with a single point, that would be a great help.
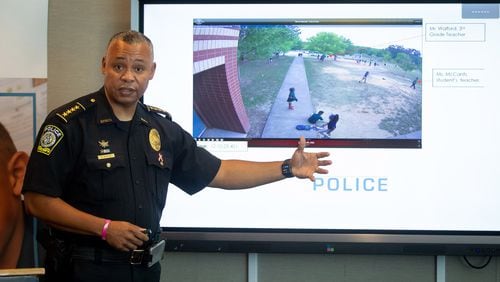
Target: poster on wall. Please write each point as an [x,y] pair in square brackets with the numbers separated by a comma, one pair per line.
[23,107]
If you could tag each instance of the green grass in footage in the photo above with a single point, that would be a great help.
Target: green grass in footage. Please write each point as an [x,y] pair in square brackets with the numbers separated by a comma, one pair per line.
[334,88]
[260,83]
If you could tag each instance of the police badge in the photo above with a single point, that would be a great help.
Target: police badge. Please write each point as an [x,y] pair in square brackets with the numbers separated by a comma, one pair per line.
[154,139]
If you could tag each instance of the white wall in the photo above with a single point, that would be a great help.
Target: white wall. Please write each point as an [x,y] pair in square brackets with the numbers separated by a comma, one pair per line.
[24,38]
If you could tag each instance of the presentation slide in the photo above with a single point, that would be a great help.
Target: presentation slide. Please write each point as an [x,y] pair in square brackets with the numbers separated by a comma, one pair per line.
[408,95]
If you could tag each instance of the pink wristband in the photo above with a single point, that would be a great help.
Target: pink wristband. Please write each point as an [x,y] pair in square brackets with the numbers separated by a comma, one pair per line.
[105,229]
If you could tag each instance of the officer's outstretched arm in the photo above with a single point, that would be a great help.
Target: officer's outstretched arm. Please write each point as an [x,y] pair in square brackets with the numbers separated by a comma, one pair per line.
[239,174]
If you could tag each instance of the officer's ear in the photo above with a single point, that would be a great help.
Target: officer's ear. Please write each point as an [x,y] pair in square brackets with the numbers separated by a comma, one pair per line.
[16,169]
[103,64]
[153,70]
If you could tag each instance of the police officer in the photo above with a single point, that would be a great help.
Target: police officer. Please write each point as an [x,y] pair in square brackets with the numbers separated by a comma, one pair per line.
[99,171]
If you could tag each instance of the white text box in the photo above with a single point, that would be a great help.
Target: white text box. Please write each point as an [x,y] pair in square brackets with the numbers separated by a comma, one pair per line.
[458,78]
[453,32]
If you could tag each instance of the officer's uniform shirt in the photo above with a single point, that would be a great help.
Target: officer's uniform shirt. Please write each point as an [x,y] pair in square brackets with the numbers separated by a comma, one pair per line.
[113,169]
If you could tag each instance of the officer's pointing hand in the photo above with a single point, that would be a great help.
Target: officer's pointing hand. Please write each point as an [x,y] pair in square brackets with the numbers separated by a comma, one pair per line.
[305,165]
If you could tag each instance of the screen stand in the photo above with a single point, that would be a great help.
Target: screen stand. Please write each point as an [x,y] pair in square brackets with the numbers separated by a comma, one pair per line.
[253,269]
[440,268]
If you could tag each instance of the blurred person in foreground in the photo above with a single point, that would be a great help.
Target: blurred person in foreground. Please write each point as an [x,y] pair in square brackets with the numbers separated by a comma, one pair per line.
[16,228]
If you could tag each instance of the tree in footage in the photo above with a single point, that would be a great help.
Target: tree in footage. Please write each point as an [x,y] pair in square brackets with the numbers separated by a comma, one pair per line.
[262,42]
[404,62]
[328,43]
[407,58]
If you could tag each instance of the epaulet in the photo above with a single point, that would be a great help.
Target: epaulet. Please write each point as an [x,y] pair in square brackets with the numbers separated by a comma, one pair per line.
[74,108]
[157,110]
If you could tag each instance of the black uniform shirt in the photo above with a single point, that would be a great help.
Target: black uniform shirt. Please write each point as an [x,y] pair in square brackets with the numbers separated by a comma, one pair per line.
[113,169]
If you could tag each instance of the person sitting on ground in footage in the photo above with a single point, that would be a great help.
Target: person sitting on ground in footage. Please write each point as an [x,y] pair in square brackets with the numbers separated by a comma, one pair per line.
[291,98]
[315,117]
[331,125]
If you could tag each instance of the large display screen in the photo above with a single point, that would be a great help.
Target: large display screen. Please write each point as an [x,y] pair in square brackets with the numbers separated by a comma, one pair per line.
[411,95]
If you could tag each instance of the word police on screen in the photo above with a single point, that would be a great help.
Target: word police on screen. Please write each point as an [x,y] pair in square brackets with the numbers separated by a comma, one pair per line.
[351,184]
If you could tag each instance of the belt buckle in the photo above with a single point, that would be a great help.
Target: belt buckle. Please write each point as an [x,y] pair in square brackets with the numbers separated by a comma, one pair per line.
[136,257]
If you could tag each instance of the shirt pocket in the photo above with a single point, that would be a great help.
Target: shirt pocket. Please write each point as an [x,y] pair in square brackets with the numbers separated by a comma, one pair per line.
[159,172]
[106,177]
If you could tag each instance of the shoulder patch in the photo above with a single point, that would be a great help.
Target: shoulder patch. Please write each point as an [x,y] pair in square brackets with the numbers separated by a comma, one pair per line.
[159,111]
[51,136]
[74,108]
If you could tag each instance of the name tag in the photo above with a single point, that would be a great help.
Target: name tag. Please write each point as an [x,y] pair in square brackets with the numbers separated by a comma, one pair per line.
[105,156]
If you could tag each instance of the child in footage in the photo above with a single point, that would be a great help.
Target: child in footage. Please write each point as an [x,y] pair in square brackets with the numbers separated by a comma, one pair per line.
[364,77]
[331,126]
[414,82]
[315,117]
[291,98]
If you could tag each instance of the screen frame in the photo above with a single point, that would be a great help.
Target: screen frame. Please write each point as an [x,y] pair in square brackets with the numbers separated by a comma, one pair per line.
[339,241]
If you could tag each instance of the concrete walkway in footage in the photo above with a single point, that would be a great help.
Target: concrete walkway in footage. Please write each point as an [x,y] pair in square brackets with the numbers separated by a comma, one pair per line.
[282,121]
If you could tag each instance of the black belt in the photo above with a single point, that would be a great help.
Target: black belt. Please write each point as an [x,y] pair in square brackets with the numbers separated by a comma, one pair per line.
[89,249]
[108,255]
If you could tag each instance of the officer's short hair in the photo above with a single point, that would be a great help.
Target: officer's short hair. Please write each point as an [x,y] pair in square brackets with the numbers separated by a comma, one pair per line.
[132,37]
